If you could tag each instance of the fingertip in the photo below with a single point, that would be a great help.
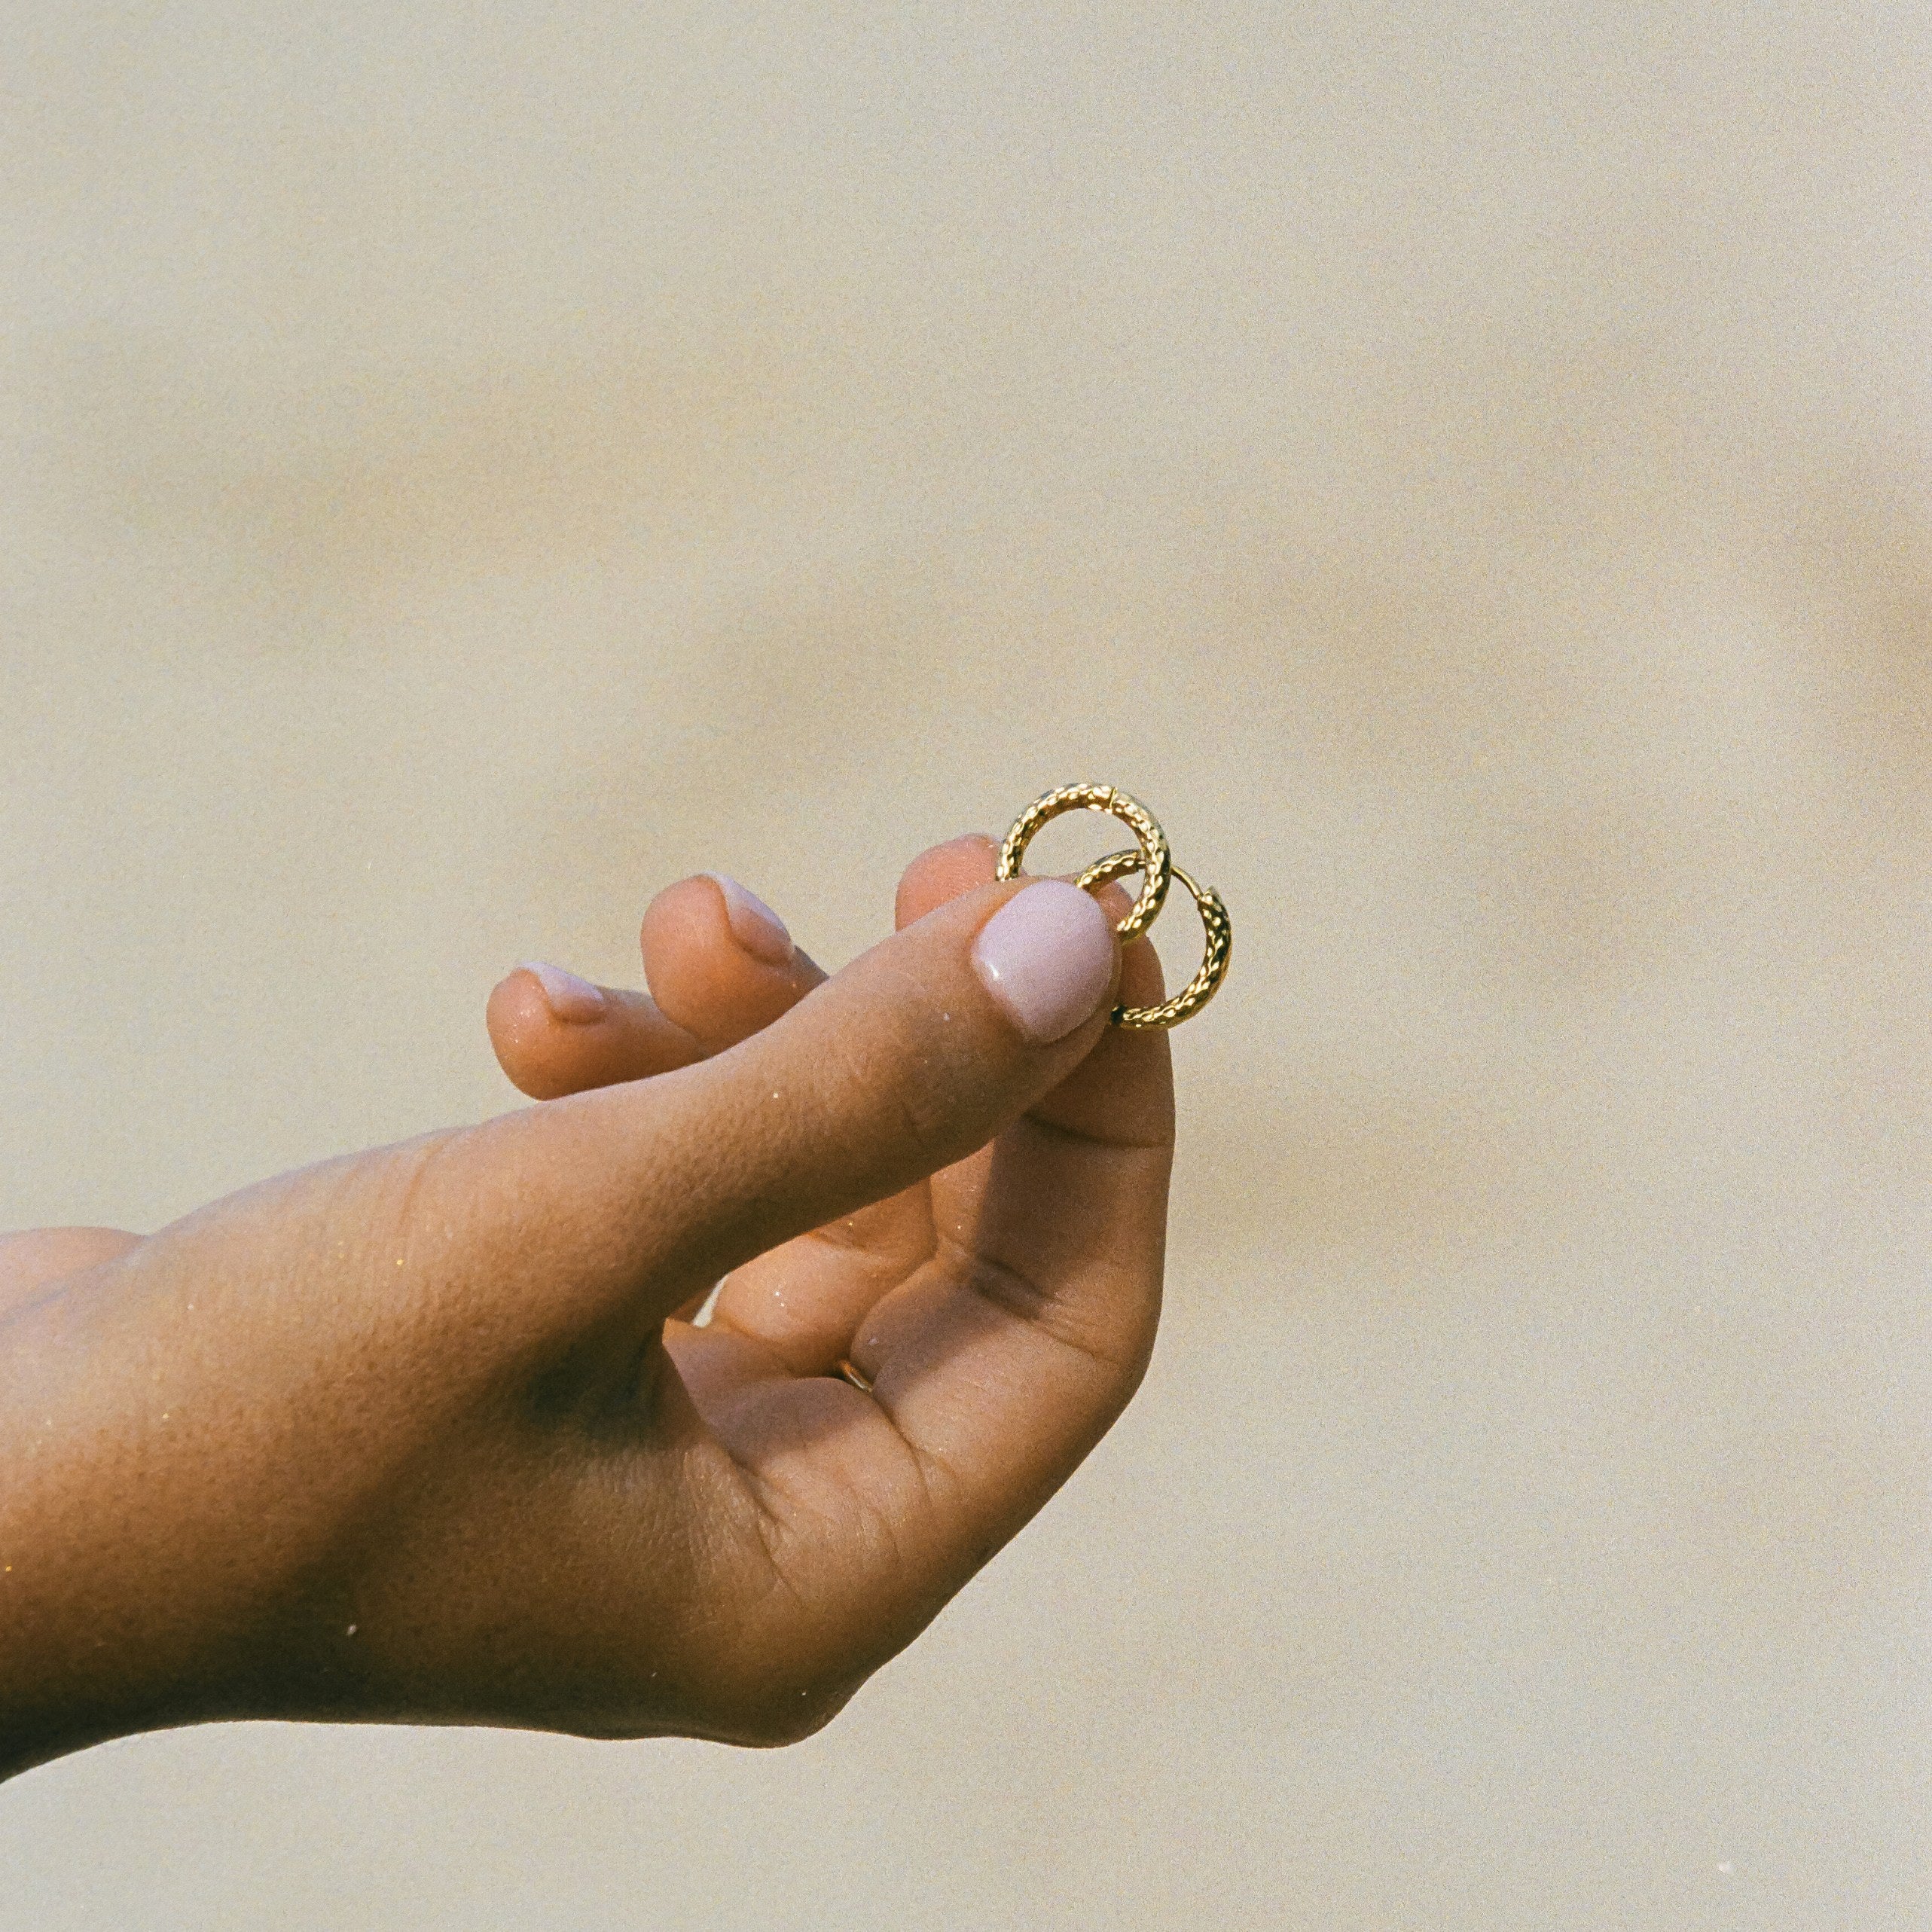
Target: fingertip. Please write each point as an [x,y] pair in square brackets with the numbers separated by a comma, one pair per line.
[517,1014]
[943,873]
[719,961]
[571,998]
[753,924]
[1047,956]
[527,1036]
[711,912]
[545,1055]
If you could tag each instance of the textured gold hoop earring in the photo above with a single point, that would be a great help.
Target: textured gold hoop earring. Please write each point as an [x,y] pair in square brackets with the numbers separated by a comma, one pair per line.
[1217,930]
[1153,856]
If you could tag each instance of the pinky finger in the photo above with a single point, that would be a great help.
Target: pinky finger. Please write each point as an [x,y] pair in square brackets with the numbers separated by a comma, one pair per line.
[554,1033]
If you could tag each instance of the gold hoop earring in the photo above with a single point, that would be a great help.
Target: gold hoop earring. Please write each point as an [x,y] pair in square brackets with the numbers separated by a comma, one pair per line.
[1217,931]
[1155,855]
[1151,857]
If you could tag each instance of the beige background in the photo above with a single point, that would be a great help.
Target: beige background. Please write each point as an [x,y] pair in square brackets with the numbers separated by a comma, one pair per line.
[1468,467]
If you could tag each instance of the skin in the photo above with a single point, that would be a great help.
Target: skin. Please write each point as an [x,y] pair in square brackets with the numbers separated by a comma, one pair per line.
[425,1434]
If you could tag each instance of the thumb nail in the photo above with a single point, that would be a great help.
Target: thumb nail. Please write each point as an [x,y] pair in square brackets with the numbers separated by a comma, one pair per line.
[1047,957]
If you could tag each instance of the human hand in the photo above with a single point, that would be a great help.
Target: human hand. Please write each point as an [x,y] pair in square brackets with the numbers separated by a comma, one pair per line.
[409,1436]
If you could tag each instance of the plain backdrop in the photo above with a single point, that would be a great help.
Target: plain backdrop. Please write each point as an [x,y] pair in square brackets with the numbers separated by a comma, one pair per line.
[1467,466]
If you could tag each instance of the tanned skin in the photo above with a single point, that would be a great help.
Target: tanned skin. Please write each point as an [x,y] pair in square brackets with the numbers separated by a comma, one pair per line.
[424,1434]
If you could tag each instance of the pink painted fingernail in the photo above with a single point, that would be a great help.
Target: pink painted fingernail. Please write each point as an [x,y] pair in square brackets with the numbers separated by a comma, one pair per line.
[573,1000]
[1047,957]
[754,925]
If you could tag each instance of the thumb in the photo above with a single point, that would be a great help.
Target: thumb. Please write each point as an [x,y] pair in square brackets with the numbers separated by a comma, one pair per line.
[914,1055]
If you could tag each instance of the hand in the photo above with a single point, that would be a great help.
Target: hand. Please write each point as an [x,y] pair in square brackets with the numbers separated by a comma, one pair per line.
[413,1435]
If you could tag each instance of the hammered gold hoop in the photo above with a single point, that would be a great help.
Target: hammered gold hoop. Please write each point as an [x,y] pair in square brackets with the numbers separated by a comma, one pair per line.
[1217,930]
[1153,855]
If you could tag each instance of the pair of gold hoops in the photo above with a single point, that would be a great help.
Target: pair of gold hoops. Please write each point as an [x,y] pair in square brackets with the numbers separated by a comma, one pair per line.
[1150,857]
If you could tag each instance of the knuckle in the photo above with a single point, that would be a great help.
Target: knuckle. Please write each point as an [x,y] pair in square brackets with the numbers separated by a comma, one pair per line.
[909,1104]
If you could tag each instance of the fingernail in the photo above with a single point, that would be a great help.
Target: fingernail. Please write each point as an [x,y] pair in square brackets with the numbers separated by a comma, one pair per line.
[754,925]
[1047,957]
[571,999]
